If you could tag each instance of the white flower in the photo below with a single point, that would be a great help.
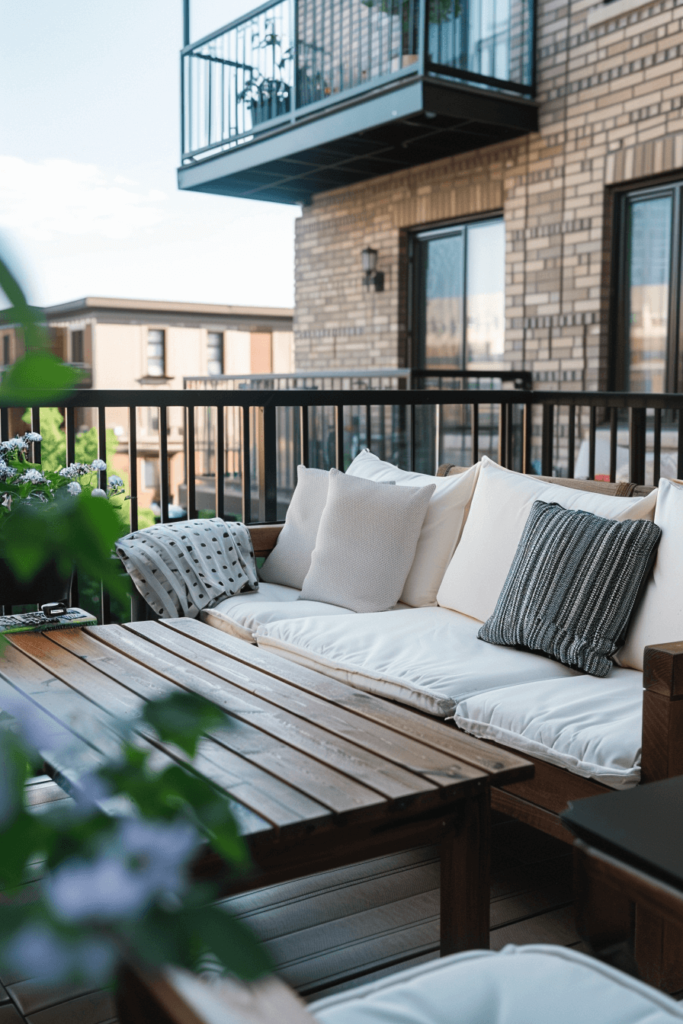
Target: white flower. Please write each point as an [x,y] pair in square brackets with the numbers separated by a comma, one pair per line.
[32,436]
[32,476]
[115,481]
[97,492]
[38,952]
[98,465]
[7,472]
[7,501]
[69,471]
[16,443]
[74,488]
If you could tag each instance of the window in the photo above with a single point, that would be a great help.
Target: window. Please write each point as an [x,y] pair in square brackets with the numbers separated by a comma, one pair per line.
[77,350]
[459,298]
[150,474]
[156,362]
[5,350]
[214,354]
[646,355]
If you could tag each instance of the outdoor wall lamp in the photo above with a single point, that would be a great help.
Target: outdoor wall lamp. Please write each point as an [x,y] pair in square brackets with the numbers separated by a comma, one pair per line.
[373,277]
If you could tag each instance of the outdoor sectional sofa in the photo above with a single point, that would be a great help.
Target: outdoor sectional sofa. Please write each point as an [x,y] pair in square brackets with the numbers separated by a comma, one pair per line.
[585,735]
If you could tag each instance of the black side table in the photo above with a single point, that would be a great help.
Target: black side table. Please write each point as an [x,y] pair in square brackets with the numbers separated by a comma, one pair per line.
[629,877]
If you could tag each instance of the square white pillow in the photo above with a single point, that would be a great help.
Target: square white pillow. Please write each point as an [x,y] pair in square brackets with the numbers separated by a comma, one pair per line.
[290,559]
[659,617]
[498,513]
[366,543]
[440,533]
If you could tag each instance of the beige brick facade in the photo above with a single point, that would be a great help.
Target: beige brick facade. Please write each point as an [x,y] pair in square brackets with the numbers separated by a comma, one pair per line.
[610,92]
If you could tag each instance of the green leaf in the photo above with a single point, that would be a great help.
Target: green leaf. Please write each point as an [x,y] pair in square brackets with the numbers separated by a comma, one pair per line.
[38,378]
[183,718]
[231,942]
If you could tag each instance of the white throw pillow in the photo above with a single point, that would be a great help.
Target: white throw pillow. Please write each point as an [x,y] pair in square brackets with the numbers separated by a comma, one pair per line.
[659,617]
[290,559]
[498,513]
[366,543]
[440,533]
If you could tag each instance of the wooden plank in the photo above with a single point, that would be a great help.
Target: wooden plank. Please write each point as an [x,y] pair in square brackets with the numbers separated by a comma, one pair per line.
[503,766]
[530,814]
[440,769]
[264,537]
[270,799]
[556,926]
[345,773]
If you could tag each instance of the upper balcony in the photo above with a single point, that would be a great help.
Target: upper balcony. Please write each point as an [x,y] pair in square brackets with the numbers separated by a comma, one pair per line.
[301,96]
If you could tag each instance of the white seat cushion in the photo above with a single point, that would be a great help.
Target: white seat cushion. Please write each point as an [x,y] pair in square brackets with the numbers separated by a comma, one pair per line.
[592,727]
[429,658]
[242,614]
[535,984]
[500,508]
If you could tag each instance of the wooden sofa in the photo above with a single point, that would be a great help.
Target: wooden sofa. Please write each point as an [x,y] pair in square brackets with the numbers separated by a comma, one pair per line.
[539,801]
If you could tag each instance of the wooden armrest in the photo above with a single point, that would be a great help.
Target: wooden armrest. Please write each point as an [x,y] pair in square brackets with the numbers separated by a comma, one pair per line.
[264,537]
[662,755]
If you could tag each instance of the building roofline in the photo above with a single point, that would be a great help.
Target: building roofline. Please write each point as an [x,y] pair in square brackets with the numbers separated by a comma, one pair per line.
[92,303]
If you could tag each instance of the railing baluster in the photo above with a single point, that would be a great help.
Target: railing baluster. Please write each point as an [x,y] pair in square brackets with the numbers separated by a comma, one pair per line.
[438,415]
[612,444]
[657,454]
[303,434]
[133,465]
[4,424]
[220,462]
[527,422]
[413,439]
[35,426]
[571,443]
[547,441]
[679,465]
[246,465]
[102,446]
[163,462]
[339,437]
[266,443]
[502,436]
[368,427]
[70,431]
[636,472]
[591,442]
[475,433]
[190,468]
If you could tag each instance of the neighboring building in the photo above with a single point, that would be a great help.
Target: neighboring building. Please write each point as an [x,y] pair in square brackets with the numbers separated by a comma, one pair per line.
[133,344]
[525,207]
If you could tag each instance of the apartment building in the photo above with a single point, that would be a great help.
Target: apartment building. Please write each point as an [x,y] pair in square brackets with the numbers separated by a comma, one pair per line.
[131,344]
[483,183]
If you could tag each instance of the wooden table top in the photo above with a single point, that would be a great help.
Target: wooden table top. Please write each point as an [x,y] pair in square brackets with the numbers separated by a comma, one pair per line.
[308,752]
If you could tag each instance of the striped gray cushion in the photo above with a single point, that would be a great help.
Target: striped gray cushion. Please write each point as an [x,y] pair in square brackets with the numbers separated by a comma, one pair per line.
[572,586]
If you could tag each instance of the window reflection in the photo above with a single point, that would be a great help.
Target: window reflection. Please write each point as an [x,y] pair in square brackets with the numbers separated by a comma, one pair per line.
[486,296]
[649,271]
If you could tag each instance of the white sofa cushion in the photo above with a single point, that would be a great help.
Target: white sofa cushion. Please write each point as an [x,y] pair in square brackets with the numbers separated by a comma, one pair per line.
[242,614]
[290,559]
[500,508]
[442,526]
[535,984]
[366,543]
[429,658]
[593,727]
[659,617]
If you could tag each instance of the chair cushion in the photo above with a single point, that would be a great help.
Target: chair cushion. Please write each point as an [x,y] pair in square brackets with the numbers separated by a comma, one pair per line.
[442,526]
[659,617]
[366,543]
[535,984]
[290,559]
[592,727]
[429,658]
[572,586]
[500,508]
[242,614]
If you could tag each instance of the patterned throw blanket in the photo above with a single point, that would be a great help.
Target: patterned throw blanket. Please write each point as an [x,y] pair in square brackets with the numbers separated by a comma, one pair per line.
[181,568]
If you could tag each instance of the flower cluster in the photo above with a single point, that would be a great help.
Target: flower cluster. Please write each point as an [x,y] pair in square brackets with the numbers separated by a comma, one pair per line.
[23,481]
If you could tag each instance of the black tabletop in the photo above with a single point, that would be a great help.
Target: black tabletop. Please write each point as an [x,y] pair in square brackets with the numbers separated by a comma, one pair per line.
[642,826]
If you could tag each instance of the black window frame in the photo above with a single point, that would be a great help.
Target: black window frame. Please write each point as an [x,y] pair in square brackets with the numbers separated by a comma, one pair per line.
[620,292]
[416,348]
[78,346]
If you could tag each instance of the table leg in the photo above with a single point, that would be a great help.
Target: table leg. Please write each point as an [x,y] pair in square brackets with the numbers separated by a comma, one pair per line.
[465,877]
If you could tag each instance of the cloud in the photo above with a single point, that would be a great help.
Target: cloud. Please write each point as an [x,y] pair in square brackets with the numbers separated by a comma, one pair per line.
[50,199]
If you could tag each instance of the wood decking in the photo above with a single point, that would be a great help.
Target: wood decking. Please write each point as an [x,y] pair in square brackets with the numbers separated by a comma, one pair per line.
[344,927]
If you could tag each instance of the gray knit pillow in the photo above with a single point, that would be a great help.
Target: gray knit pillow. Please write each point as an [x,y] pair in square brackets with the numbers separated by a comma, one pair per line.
[572,586]
[366,543]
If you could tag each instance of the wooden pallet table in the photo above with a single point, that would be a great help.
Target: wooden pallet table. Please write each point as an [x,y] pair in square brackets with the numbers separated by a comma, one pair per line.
[320,775]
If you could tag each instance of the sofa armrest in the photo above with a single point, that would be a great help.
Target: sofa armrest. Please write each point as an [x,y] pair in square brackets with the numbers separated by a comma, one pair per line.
[264,537]
[662,755]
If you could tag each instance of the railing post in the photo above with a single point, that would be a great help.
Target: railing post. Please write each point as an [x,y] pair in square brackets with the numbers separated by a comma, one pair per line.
[294,30]
[423,36]
[163,462]
[636,451]
[266,441]
[246,465]
[190,472]
[547,441]
[220,462]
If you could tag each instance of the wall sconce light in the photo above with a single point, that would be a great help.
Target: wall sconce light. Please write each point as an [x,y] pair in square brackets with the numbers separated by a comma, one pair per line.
[373,278]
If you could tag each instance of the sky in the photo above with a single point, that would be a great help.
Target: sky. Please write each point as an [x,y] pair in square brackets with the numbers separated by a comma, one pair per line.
[89,147]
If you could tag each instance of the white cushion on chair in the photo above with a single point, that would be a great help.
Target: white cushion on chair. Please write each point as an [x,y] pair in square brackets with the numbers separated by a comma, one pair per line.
[500,508]
[520,985]
[442,526]
[242,614]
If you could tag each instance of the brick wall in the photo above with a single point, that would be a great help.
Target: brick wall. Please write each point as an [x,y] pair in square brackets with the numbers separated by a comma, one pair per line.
[610,88]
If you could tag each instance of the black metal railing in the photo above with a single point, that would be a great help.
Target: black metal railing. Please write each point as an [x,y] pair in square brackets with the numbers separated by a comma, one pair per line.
[611,436]
[288,56]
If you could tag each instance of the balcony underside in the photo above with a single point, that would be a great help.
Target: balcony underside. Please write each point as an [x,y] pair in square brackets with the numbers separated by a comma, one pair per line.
[405,126]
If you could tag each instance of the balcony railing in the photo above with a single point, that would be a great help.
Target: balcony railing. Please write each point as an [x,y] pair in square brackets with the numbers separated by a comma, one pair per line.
[289,57]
